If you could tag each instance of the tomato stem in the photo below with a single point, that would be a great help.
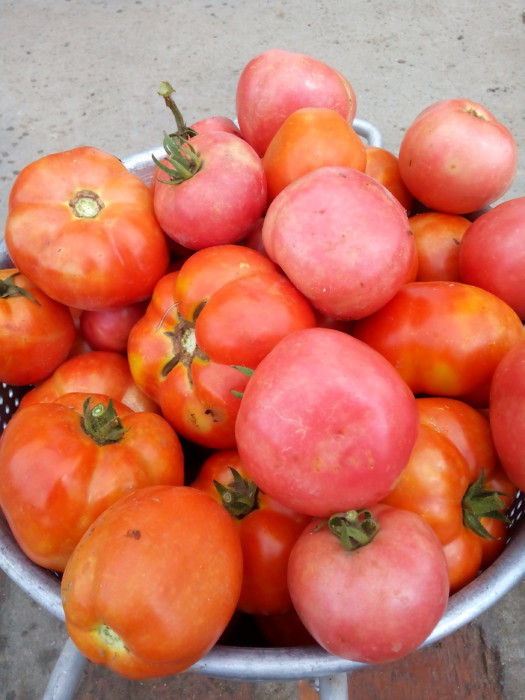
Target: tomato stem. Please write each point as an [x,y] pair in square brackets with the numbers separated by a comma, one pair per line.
[166,92]
[86,204]
[479,502]
[9,289]
[102,423]
[354,529]
[239,497]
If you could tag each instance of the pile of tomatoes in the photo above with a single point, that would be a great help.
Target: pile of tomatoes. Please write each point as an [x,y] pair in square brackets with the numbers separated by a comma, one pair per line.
[283,381]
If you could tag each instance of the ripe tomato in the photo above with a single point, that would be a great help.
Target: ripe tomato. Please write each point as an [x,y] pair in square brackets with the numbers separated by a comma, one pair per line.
[179,352]
[219,195]
[327,437]
[267,531]
[383,166]
[438,238]
[337,591]
[456,157]
[98,372]
[492,254]
[215,124]
[342,239]
[154,582]
[83,229]
[62,464]
[310,138]
[444,338]
[276,83]
[36,332]
[109,329]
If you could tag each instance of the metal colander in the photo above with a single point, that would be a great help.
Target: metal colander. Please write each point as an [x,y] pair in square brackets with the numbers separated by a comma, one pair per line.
[271,664]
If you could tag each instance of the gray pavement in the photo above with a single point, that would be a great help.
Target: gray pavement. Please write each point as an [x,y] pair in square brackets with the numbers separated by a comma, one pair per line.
[86,73]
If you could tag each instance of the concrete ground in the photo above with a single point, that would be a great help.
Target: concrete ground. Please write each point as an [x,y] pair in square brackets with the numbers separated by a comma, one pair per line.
[86,73]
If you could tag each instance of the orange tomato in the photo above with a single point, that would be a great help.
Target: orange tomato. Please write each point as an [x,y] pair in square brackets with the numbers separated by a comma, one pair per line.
[383,166]
[438,237]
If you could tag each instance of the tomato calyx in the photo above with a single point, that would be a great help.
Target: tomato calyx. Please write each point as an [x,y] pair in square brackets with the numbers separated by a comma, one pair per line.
[240,496]
[479,502]
[102,423]
[8,288]
[247,372]
[354,529]
[184,344]
[86,204]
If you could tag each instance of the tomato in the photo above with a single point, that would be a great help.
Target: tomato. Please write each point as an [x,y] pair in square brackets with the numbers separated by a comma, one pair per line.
[276,83]
[227,305]
[310,138]
[98,372]
[36,332]
[492,253]
[284,630]
[383,166]
[328,436]
[438,238]
[109,329]
[456,157]
[267,531]
[216,124]
[154,582]
[399,570]
[342,239]
[62,464]
[83,229]
[221,192]
[444,338]
[507,413]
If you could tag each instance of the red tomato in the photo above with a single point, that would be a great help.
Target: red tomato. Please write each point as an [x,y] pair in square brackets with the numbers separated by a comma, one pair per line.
[62,464]
[109,329]
[444,338]
[327,437]
[342,239]
[267,530]
[278,82]
[179,352]
[154,582]
[96,372]
[456,157]
[310,138]
[220,194]
[492,254]
[507,413]
[383,166]
[438,238]
[83,229]
[36,332]
[400,571]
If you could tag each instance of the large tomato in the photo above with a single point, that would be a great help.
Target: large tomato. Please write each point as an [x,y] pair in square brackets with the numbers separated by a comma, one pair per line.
[492,253]
[325,423]
[370,586]
[342,238]
[36,332]
[267,530]
[63,463]
[154,582]
[444,338]
[97,371]
[227,305]
[456,157]
[276,83]
[83,229]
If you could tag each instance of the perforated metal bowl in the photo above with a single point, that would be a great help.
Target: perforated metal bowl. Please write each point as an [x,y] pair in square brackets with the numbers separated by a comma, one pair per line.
[278,664]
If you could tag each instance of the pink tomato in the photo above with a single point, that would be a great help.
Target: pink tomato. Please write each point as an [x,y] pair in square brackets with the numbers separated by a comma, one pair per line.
[216,124]
[109,329]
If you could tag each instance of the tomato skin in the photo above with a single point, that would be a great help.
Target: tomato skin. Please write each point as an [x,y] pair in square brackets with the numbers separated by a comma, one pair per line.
[36,335]
[217,204]
[267,534]
[456,157]
[492,253]
[337,593]
[217,123]
[444,338]
[110,259]
[97,371]
[109,329]
[438,238]
[187,368]
[310,138]
[321,427]
[119,610]
[276,83]
[383,166]
[55,479]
